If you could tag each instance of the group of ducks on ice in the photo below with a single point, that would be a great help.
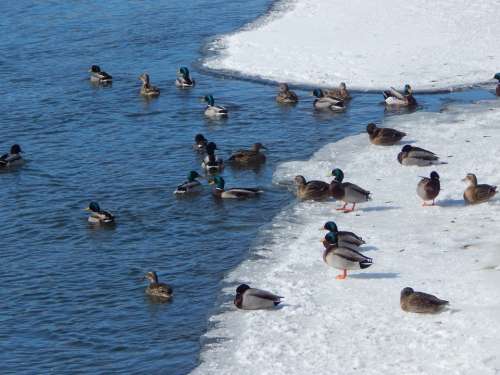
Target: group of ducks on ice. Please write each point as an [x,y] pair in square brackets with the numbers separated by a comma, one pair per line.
[342,248]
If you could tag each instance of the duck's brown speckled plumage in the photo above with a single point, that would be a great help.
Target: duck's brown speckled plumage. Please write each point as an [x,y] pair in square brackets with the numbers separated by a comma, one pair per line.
[478,193]
[418,302]
[384,136]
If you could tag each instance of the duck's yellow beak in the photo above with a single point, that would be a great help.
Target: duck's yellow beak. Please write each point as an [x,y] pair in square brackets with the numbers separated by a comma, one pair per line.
[87,209]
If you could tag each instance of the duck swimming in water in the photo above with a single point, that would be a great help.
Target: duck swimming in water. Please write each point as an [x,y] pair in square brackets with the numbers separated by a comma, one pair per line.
[252,157]
[147,89]
[213,110]
[346,191]
[497,76]
[477,193]
[410,155]
[418,302]
[428,188]
[326,103]
[383,136]
[285,95]
[99,76]
[343,237]
[98,216]
[235,193]
[313,189]
[200,143]
[184,80]
[393,98]
[191,185]
[340,93]
[255,299]
[211,163]
[13,158]
[157,289]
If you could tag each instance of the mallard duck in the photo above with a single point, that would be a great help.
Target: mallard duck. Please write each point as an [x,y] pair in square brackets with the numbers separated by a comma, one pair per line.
[340,93]
[184,80]
[211,163]
[346,191]
[191,185]
[383,136]
[343,236]
[394,98]
[156,289]
[326,103]
[213,110]
[200,143]
[333,239]
[410,155]
[255,299]
[13,158]
[477,193]
[311,189]
[98,216]
[147,89]
[418,302]
[428,188]
[285,95]
[238,193]
[99,76]
[497,76]
[250,157]
[344,258]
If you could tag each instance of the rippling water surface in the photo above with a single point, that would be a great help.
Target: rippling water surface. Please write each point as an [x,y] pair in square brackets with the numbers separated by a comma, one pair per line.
[72,298]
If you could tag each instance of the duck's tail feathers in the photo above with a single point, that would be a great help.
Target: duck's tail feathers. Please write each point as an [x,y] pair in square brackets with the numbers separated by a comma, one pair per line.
[365,263]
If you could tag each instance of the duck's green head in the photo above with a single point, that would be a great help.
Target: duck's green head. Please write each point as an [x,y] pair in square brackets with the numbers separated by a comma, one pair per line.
[338,175]
[332,238]
[209,99]
[94,207]
[211,147]
[184,72]
[408,90]
[242,289]
[219,182]
[434,175]
[318,93]
[95,69]
[497,76]
[331,226]
[193,175]
[15,149]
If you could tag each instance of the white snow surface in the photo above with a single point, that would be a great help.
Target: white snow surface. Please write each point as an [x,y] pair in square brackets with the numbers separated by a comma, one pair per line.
[370,45]
[356,326]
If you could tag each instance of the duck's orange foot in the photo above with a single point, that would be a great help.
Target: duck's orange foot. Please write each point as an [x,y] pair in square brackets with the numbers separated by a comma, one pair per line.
[341,277]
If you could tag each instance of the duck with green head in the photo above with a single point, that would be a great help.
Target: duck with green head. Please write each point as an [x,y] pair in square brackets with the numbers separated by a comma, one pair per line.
[98,216]
[99,76]
[156,289]
[497,77]
[248,298]
[200,143]
[393,98]
[184,80]
[345,238]
[417,156]
[323,102]
[12,158]
[219,190]
[191,185]
[346,191]
[313,189]
[212,110]
[147,89]
[211,163]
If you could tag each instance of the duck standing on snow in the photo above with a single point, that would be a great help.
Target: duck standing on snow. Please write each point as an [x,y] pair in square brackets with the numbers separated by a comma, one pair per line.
[99,76]
[147,89]
[213,110]
[184,80]
[191,185]
[285,95]
[428,188]
[497,91]
[340,93]
[344,258]
[326,103]
[344,237]
[383,136]
[311,189]
[98,216]
[255,299]
[235,193]
[252,157]
[477,193]
[393,98]
[418,302]
[346,191]
[200,143]
[13,158]
[211,163]
[157,289]
[410,155]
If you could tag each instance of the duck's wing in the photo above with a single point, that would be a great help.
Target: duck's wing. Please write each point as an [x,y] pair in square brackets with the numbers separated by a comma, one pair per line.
[164,288]
[420,153]
[355,188]
[317,185]
[426,300]
[240,154]
[107,215]
[259,293]
[351,255]
[242,192]
[392,92]
[484,192]
[104,75]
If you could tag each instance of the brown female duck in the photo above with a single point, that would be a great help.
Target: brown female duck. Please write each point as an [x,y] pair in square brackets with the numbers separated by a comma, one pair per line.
[418,302]
[477,193]
[383,136]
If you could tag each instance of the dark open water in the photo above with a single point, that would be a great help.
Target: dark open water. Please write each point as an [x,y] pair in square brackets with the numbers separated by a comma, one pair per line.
[71,298]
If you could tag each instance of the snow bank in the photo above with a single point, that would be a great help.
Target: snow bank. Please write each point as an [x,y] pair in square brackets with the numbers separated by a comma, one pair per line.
[368,44]
[356,326]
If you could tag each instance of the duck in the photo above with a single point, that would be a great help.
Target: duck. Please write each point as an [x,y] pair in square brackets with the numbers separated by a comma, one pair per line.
[211,163]
[213,110]
[13,158]
[200,143]
[313,189]
[157,289]
[184,80]
[99,76]
[346,191]
[147,89]
[383,136]
[332,238]
[340,92]
[343,236]
[191,185]
[420,157]
[250,157]
[428,188]
[419,302]
[497,77]
[326,103]
[393,98]
[477,193]
[285,95]
[255,299]
[344,258]
[234,193]
[98,216]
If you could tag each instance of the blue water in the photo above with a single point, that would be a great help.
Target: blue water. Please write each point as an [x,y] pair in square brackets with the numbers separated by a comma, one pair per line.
[72,298]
